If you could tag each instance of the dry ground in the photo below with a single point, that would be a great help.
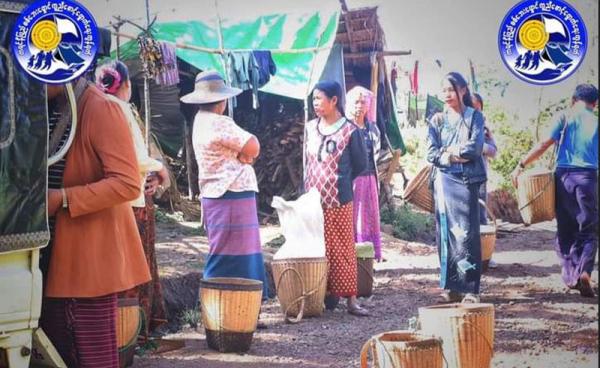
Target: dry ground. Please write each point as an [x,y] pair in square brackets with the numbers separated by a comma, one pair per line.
[538,322]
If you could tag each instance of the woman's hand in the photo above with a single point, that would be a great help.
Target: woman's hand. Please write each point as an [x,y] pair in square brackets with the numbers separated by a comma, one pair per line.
[163,177]
[514,175]
[152,184]
[245,159]
[54,201]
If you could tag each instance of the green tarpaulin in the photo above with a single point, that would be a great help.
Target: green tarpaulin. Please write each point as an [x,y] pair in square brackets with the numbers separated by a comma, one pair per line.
[23,152]
[434,105]
[272,32]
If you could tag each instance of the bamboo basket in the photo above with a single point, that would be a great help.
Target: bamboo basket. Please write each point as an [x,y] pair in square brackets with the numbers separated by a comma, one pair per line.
[364,280]
[230,308]
[535,196]
[403,349]
[129,325]
[301,284]
[365,253]
[488,238]
[418,191]
[467,332]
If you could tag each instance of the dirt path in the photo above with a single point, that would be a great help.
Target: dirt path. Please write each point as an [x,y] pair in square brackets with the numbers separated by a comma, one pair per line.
[538,322]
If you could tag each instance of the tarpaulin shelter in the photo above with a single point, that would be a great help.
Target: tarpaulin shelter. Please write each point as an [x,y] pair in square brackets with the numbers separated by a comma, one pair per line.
[300,43]
[306,46]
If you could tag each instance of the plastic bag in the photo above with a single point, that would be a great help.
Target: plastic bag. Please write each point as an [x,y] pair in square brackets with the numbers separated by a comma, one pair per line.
[302,225]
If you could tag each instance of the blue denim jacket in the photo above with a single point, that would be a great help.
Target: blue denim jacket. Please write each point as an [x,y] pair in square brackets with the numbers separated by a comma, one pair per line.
[471,147]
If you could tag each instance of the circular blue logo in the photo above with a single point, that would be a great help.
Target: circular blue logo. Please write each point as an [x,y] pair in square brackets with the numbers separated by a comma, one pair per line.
[55,41]
[542,42]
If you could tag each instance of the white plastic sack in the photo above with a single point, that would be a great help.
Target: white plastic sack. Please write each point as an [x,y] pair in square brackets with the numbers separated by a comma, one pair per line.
[302,226]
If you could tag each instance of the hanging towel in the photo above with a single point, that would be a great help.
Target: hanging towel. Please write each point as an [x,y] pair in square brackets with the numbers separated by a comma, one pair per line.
[169,75]
[266,66]
[243,74]
[251,70]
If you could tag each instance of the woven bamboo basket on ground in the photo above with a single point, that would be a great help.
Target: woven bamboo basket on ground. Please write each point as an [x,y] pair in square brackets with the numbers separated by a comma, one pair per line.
[300,284]
[418,191]
[365,253]
[467,332]
[230,308]
[364,277]
[403,349]
[488,238]
[535,196]
[129,324]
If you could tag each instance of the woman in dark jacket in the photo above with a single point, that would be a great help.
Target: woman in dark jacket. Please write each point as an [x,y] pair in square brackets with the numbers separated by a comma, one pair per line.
[455,147]
[334,155]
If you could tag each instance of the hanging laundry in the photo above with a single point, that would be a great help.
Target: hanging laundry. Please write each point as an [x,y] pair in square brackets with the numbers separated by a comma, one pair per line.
[105,42]
[243,74]
[266,66]
[383,118]
[169,75]
[151,56]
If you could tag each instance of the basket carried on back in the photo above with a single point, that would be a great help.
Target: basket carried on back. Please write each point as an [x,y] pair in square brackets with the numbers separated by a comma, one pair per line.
[230,308]
[418,191]
[301,284]
[403,349]
[129,324]
[535,196]
[467,331]
[488,238]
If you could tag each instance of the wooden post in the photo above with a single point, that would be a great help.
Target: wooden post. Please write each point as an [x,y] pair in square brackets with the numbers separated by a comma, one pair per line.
[147,88]
[191,164]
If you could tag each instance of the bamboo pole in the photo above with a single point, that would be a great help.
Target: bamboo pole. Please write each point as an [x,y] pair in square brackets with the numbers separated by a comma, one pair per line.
[147,90]
[224,57]
[181,45]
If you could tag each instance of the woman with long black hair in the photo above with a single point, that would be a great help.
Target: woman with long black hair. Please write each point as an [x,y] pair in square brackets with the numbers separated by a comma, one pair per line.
[455,144]
[334,155]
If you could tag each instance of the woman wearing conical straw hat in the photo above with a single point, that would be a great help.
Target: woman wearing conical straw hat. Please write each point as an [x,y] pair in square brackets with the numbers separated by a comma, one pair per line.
[228,186]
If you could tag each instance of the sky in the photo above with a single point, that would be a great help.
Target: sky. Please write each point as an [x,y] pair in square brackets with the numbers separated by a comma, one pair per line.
[452,31]
[455,31]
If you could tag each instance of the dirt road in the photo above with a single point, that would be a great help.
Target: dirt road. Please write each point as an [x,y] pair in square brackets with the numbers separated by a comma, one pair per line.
[538,322]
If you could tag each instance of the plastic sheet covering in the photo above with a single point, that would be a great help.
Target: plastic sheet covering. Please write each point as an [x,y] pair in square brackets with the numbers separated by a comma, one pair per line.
[23,146]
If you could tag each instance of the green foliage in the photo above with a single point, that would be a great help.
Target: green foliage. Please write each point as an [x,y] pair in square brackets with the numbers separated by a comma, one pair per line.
[408,224]
[163,217]
[146,348]
[276,242]
[190,317]
[513,145]
[175,220]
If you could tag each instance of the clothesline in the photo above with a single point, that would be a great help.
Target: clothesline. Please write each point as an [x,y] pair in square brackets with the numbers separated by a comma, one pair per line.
[181,45]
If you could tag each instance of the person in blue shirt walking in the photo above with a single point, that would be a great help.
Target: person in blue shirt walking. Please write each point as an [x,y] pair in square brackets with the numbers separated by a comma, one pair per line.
[576,179]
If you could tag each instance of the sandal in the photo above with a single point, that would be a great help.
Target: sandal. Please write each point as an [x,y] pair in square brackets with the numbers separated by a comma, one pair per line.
[585,287]
[470,298]
[449,296]
[358,311]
